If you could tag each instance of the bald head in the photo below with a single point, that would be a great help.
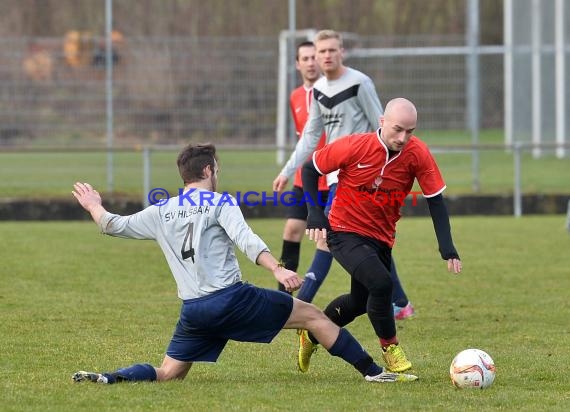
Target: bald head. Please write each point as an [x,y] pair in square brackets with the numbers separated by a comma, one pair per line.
[401,107]
[398,123]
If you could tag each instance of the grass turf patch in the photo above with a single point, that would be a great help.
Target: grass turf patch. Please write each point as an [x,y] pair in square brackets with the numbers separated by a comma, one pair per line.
[73,299]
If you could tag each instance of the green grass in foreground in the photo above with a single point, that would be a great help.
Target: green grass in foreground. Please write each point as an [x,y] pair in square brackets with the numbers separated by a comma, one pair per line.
[73,299]
[33,175]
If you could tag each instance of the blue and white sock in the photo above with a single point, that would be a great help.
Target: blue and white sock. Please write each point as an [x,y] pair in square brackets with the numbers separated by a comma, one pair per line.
[315,275]
[399,297]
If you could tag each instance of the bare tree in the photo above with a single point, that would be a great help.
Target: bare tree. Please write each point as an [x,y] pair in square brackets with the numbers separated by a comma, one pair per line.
[246,17]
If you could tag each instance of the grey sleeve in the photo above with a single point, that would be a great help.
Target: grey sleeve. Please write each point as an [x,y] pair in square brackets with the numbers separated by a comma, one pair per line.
[307,143]
[141,225]
[231,219]
[370,103]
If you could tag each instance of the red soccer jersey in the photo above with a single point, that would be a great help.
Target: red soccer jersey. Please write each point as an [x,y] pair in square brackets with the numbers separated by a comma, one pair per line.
[371,187]
[299,102]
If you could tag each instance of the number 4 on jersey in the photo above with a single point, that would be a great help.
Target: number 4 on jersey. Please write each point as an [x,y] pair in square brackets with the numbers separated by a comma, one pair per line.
[188,252]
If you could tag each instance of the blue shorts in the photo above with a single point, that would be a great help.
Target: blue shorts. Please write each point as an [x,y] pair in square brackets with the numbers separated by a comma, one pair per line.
[241,312]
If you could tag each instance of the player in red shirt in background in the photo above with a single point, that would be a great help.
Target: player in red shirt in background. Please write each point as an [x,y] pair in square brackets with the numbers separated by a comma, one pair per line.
[296,214]
[377,172]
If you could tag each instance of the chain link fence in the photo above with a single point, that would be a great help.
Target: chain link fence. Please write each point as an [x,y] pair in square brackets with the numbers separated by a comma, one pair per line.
[164,90]
[219,89]
[437,84]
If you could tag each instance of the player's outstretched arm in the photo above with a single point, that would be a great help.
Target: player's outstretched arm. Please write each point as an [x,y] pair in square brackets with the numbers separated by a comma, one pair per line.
[317,222]
[280,183]
[305,146]
[90,200]
[286,277]
[440,218]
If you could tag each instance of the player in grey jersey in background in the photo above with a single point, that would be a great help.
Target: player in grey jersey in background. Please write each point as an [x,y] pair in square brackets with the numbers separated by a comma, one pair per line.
[197,232]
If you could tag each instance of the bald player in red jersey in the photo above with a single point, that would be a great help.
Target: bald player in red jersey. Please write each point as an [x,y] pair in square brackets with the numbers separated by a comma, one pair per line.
[377,172]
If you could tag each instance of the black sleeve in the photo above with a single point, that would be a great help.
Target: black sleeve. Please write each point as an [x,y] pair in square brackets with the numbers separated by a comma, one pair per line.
[310,178]
[316,218]
[440,218]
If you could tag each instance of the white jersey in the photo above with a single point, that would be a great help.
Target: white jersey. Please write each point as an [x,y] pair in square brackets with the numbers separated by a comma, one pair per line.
[344,106]
[197,232]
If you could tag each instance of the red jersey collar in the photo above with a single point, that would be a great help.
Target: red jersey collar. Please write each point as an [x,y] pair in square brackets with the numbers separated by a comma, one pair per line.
[386,150]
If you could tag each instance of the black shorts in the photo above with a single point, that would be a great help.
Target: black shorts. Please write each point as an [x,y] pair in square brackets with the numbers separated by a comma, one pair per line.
[296,207]
[351,249]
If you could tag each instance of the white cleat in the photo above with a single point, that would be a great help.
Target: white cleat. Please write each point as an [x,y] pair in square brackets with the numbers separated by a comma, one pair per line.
[82,376]
[391,377]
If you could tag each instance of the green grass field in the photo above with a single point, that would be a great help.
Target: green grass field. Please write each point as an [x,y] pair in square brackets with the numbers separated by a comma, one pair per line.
[73,299]
[47,174]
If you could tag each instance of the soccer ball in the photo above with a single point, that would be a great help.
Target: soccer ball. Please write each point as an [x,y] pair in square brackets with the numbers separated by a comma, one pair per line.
[472,368]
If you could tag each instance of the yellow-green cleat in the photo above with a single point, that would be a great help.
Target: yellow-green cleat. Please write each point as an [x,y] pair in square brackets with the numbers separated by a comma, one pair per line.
[395,359]
[306,350]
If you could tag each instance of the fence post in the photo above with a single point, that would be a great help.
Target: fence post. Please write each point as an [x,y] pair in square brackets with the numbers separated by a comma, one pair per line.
[560,74]
[146,175]
[109,94]
[568,217]
[517,192]
[473,86]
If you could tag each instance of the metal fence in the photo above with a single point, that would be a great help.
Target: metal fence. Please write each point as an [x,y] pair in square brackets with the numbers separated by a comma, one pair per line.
[225,89]
[509,171]
[166,90]
[55,91]
[515,152]
[537,47]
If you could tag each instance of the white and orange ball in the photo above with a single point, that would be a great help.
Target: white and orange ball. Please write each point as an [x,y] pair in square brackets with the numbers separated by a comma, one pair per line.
[472,368]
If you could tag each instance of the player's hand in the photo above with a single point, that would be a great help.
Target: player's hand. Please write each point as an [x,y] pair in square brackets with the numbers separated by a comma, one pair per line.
[86,195]
[280,183]
[454,265]
[287,278]
[316,234]
[317,224]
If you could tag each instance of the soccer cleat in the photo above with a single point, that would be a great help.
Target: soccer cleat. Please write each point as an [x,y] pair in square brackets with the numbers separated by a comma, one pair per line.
[406,312]
[391,377]
[306,350]
[89,376]
[395,359]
